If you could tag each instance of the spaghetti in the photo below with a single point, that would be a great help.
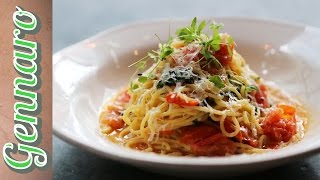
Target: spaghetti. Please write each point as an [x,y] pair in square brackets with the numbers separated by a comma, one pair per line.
[200,98]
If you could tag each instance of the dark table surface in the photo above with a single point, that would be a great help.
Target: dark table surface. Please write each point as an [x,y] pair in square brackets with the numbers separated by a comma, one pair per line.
[76,20]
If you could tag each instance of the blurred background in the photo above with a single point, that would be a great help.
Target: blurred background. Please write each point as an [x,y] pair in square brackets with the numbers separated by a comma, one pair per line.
[76,20]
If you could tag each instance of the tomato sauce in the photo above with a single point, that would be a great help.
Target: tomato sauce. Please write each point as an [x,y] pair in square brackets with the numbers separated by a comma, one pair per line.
[279,125]
[206,140]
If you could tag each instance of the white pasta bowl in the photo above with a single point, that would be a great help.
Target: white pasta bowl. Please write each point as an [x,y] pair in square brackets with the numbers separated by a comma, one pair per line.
[89,72]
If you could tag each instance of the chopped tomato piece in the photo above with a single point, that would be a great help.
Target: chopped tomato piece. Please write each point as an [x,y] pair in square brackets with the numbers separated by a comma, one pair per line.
[215,145]
[124,97]
[280,124]
[176,99]
[223,54]
[113,119]
[116,123]
[261,96]
[244,136]
[206,140]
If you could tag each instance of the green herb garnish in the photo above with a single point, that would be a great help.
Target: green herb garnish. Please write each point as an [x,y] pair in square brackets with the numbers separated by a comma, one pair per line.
[141,63]
[142,79]
[189,34]
[216,79]
[133,86]
[251,88]
[165,51]
[215,40]
[212,45]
